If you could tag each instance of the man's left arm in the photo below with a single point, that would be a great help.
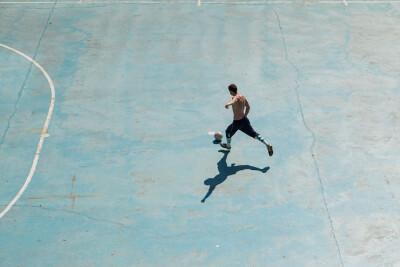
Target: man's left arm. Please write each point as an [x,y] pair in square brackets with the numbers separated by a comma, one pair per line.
[234,99]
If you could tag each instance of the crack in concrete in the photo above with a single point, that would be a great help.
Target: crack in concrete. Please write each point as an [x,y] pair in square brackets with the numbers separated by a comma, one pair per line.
[102,220]
[312,133]
[95,219]
[72,189]
[15,108]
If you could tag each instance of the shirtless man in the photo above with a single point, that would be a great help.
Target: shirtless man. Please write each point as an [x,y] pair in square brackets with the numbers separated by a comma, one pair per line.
[240,120]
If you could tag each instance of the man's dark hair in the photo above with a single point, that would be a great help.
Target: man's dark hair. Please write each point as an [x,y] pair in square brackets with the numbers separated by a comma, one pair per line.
[232,88]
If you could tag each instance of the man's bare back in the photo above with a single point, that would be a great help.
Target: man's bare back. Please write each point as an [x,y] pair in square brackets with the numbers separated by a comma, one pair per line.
[238,103]
[241,109]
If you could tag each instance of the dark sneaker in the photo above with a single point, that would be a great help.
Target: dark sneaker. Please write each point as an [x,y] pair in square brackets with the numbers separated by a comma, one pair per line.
[270,151]
[225,145]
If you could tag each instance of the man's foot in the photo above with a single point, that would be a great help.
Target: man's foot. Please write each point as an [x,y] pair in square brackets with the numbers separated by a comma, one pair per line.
[265,169]
[225,145]
[270,151]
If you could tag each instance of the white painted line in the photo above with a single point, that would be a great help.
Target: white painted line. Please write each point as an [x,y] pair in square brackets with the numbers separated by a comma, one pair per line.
[44,131]
[374,2]
[302,3]
[49,3]
[140,2]
[215,2]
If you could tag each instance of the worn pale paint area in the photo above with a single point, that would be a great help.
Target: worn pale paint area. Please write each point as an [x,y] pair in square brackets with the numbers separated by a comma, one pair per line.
[121,179]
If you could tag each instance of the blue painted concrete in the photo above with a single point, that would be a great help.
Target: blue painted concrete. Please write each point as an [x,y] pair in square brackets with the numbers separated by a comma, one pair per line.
[121,178]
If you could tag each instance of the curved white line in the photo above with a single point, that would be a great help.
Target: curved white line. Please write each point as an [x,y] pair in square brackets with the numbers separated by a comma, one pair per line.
[44,131]
[262,2]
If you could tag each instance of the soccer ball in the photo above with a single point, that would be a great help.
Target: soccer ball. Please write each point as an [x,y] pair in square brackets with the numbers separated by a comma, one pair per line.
[218,136]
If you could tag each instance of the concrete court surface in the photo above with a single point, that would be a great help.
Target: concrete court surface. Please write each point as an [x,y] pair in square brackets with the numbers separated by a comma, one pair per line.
[121,176]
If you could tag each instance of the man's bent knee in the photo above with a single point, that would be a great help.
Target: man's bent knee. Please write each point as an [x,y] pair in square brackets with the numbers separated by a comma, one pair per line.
[228,133]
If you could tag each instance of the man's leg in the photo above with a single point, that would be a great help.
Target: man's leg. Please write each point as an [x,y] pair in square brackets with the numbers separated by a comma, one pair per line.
[269,147]
[229,132]
[248,129]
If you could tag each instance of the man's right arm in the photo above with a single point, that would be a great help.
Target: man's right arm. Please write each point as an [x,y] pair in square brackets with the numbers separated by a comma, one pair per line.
[247,108]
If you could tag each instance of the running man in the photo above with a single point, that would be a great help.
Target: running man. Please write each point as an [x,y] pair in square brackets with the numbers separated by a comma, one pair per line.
[240,120]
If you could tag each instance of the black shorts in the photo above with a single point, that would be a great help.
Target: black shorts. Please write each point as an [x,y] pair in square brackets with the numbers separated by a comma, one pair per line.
[243,125]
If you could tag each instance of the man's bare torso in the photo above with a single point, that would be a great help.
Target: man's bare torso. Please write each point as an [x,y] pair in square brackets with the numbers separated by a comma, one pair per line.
[238,107]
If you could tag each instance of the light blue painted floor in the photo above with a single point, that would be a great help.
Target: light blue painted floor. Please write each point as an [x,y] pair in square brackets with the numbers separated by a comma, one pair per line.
[138,86]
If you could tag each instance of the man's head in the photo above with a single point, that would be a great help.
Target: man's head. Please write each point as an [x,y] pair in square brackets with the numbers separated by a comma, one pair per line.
[232,89]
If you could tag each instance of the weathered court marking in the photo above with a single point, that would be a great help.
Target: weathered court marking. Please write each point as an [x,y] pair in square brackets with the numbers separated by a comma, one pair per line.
[199,2]
[44,131]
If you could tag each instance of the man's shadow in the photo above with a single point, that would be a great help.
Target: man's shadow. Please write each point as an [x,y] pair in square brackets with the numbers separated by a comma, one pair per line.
[225,171]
